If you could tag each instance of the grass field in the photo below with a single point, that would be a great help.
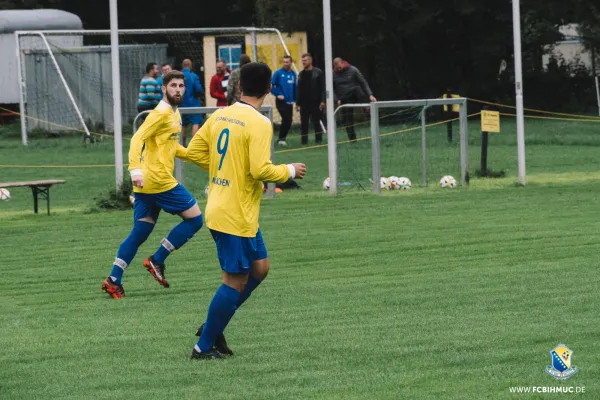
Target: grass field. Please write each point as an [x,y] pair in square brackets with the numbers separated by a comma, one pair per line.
[425,294]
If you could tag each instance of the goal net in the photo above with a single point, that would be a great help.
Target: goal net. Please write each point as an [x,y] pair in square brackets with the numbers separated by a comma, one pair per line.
[66,76]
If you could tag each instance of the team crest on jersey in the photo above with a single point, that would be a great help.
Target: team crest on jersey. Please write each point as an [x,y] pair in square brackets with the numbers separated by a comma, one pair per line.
[561,367]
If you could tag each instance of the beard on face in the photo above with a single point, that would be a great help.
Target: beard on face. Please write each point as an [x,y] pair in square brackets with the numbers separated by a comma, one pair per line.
[174,101]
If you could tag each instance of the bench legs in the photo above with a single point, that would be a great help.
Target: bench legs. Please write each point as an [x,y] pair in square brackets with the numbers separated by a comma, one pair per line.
[44,193]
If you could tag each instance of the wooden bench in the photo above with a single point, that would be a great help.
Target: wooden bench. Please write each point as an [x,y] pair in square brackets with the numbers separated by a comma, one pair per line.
[38,188]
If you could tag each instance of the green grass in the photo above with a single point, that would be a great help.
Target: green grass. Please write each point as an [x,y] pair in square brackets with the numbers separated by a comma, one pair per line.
[425,294]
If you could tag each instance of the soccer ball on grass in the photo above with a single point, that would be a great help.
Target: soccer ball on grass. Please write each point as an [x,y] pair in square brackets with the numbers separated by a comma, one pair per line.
[448,181]
[4,194]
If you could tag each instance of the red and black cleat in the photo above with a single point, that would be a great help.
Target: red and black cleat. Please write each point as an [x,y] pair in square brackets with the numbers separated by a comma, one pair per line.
[115,290]
[157,271]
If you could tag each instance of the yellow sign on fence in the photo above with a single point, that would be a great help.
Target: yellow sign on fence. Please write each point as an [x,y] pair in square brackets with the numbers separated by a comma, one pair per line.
[490,121]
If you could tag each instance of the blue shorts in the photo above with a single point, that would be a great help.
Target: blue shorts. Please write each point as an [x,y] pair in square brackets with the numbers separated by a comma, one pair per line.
[236,254]
[191,119]
[173,201]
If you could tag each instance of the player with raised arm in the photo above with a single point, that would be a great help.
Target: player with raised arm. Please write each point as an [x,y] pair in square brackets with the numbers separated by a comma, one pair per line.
[235,142]
[151,162]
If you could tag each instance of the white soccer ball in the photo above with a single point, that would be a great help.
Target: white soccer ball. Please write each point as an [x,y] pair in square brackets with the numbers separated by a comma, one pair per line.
[394,182]
[385,183]
[448,181]
[404,183]
[4,194]
[326,184]
[131,199]
[206,190]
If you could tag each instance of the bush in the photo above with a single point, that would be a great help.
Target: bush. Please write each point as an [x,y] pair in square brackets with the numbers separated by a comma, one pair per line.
[116,199]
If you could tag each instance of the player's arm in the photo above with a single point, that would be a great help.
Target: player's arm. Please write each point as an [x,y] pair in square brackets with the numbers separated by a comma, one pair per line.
[231,88]
[275,89]
[214,89]
[197,151]
[261,167]
[148,130]
[198,89]
[363,82]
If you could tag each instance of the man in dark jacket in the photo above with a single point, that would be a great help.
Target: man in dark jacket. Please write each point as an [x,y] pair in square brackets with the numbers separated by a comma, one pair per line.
[311,98]
[350,87]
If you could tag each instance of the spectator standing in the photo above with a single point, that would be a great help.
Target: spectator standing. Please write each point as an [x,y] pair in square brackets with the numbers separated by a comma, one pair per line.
[218,83]
[311,98]
[150,92]
[165,68]
[350,87]
[284,89]
[233,86]
[191,98]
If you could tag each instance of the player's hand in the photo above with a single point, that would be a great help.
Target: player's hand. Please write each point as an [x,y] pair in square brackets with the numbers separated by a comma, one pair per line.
[280,97]
[300,170]
[339,102]
[373,99]
[322,106]
[297,108]
[138,181]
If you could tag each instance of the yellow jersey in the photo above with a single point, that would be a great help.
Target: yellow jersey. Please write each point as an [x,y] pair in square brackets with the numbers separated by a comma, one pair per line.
[154,148]
[235,145]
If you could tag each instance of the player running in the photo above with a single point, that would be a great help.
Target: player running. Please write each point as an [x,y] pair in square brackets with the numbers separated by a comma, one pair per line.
[235,142]
[151,161]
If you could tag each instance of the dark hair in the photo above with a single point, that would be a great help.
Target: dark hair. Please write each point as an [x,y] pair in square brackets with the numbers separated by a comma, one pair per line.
[255,79]
[244,59]
[150,67]
[306,55]
[174,74]
[165,64]
[286,56]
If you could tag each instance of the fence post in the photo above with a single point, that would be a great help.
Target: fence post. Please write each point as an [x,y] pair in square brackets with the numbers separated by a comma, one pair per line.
[464,144]
[253,45]
[424,145]
[484,150]
[375,150]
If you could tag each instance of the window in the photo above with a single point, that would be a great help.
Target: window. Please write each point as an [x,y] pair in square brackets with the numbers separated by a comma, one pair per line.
[231,54]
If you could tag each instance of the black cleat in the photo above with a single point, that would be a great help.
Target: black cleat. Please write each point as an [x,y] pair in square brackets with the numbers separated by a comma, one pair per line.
[220,343]
[212,354]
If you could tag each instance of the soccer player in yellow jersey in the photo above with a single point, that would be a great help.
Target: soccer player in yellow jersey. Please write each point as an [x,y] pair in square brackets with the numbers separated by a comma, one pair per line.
[151,162]
[235,143]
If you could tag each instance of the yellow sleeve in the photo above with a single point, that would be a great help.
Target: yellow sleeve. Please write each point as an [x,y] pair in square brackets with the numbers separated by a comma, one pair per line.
[261,167]
[181,153]
[197,150]
[149,128]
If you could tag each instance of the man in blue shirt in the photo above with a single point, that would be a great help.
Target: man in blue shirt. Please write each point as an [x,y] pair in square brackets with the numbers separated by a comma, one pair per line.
[284,88]
[191,98]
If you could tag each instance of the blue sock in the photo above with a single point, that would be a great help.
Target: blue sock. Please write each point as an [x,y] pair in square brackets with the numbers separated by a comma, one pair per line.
[178,236]
[250,286]
[221,310]
[140,232]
